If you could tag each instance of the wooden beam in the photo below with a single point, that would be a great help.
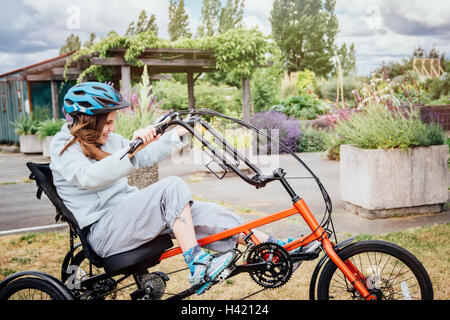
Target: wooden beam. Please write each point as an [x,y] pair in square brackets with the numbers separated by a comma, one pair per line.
[161,77]
[126,77]
[55,106]
[191,97]
[113,61]
[246,99]
[119,61]
[179,62]
[60,71]
[168,50]
[155,70]
[40,77]
[16,78]
[48,77]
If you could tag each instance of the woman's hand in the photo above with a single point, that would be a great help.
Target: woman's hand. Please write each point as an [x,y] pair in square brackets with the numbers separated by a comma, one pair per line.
[181,131]
[148,135]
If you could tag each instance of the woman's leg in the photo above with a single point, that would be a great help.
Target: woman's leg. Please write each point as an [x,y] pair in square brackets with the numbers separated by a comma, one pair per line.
[183,229]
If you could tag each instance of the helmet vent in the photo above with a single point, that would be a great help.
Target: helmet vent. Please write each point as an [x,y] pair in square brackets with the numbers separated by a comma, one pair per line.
[79,93]
[100,88]
[85,104]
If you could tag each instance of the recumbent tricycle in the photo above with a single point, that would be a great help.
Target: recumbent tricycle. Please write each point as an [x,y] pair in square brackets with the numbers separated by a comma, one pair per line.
[366,270]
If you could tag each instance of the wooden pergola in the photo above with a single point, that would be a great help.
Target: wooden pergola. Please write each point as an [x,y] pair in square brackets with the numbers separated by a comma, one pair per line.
[193,62]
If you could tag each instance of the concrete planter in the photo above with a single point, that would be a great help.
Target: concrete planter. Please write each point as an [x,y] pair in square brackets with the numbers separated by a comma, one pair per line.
[30,143]
[46,146]
[386,183]
[144,177]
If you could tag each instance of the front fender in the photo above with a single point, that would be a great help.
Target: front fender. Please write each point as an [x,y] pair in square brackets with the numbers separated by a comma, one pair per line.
[44,276]
[312,284]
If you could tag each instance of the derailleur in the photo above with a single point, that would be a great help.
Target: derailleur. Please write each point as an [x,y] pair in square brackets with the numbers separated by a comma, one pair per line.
[152,286]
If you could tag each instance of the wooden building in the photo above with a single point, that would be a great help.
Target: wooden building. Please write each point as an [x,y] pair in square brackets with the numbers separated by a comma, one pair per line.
[36,89]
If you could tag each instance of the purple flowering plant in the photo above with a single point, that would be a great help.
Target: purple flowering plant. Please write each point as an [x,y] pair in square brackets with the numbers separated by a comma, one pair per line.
[277,124]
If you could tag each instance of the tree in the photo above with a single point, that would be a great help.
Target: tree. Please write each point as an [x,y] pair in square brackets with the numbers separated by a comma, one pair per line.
[73,43]
[210,18]
[217,19]
[91,40]
[231,15]
[142,25]
[305,31]
[178,20]
[347,59]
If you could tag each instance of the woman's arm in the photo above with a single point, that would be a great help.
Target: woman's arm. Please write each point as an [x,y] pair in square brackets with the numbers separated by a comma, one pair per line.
[76,168]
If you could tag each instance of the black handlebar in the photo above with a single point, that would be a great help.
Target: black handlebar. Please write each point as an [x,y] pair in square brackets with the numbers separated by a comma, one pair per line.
[136,143]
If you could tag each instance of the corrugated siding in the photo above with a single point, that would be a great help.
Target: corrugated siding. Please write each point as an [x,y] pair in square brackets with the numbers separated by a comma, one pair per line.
[13,95]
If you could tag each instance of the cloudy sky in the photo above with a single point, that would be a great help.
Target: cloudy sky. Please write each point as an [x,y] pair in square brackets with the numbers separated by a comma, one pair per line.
[382,30]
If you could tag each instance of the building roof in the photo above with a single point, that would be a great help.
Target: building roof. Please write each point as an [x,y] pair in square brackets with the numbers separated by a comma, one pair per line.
[36,64]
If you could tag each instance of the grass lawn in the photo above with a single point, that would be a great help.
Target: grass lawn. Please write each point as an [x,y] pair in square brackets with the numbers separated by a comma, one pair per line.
[45,252]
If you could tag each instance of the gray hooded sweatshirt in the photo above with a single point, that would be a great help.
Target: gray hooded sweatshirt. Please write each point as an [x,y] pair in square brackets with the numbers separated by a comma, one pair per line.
[91,188]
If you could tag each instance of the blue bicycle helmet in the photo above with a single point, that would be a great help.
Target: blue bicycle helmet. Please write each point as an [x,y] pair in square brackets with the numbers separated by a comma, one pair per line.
[93,98]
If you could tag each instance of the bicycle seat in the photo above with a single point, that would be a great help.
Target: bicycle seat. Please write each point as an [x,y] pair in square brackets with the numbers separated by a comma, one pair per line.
[144,256]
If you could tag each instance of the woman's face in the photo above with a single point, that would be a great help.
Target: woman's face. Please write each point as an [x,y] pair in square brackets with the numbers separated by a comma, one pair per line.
[108,128]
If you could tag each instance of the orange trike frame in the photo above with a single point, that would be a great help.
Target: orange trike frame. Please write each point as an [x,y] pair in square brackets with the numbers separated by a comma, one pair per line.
[299,207]
[354,276]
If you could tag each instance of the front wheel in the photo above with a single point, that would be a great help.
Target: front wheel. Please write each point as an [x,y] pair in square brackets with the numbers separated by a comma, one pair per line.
[388,271]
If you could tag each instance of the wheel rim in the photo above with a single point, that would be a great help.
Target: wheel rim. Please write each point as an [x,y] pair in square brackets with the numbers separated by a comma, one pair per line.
[30,294]
[385,276]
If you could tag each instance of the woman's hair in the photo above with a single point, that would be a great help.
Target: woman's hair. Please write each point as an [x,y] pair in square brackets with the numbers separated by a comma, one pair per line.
[87,129]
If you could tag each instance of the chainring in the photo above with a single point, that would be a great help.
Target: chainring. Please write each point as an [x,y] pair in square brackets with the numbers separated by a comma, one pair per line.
[279,266]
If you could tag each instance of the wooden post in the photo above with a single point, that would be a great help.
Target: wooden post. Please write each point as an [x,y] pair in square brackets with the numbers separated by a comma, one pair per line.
[55,106]
[191,97]
[246,99]
[126,77]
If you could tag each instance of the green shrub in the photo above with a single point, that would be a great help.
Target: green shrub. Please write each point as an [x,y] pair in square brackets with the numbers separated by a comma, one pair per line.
[305,106]
[265,88]
[174,96]
[25,125]
[438,87]
[443,100]
[379,127]
[50,127]
[328,89]
[128,122]
[312,140]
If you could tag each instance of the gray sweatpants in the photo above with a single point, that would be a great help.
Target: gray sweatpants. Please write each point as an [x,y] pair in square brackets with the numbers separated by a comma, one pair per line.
[153,211]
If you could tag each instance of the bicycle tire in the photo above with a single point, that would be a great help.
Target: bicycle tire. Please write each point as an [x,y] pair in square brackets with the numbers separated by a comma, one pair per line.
[31,283]
[331,277]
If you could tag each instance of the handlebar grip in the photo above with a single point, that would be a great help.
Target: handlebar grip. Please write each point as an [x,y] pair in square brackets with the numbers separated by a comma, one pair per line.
[136,143]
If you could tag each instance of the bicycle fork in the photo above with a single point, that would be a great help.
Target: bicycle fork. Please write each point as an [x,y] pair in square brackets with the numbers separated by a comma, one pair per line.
[349,270]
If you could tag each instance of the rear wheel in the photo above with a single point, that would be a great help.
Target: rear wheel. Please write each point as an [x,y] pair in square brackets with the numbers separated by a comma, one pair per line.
[30,289]
[388,271]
